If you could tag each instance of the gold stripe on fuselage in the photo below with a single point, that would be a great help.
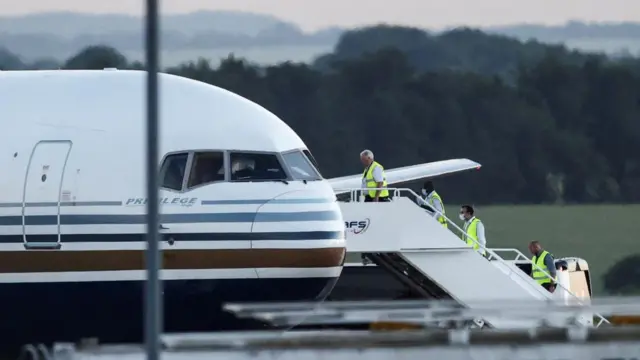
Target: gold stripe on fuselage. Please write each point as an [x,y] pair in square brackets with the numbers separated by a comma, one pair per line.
[30,261]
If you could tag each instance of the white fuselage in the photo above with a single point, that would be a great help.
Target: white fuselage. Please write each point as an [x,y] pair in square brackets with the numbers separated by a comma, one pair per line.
[72,204]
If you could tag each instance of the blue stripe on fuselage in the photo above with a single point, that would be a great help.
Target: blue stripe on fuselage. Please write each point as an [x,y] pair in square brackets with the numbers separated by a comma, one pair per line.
[270,201]
[256,236]
[202,202]
[172,218]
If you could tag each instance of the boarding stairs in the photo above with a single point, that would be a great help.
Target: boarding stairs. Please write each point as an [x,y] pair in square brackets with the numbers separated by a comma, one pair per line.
[400,269]
[409,243]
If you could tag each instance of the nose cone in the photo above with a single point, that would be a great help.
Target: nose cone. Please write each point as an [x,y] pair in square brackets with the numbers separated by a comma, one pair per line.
[308,239]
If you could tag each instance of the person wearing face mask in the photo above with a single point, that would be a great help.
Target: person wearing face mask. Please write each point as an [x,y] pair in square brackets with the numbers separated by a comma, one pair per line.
[473,229]
[434,202]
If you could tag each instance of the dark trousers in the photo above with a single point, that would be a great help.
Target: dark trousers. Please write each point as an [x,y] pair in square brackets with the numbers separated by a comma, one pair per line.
[547,286]
[368,198]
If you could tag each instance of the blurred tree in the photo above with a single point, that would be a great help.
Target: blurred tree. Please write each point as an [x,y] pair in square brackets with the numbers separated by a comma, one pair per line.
[97,58]
[623,278]
[546,123]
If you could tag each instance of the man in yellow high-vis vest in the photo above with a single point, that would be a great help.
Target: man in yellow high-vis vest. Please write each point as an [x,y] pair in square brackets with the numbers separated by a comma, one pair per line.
[545,262]
[434,201]
[373,178]
[473,230]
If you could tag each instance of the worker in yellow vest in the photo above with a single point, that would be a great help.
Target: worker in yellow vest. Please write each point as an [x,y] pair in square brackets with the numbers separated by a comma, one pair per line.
[434,201]
[473,233]
[545,262]
[373,178]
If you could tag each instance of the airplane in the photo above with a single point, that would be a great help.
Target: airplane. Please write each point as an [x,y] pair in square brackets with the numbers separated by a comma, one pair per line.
[245,214]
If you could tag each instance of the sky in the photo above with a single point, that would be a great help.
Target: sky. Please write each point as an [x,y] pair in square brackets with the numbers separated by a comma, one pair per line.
[314,14]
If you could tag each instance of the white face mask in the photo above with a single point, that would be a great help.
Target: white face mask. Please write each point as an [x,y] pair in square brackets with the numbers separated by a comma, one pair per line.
[461,216]
[424,192]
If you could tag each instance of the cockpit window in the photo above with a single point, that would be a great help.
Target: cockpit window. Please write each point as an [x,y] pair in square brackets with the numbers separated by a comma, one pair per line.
[172,171]
[256,167]
[207,167]
[310,157]
[300,167]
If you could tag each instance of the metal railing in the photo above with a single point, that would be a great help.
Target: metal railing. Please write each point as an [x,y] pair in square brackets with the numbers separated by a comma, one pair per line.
[355,195]
[35,352]
[428,312]
[267,344]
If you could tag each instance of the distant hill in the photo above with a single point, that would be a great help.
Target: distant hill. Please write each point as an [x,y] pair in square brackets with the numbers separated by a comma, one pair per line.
[206,33]
[612,38]
[571,30]
[261,38]
[69,25]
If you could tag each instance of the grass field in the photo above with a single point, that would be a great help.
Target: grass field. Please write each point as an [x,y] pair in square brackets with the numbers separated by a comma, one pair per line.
[600,234]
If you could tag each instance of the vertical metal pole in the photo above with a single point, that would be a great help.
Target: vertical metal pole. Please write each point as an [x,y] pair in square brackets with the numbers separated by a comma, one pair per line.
[153,308]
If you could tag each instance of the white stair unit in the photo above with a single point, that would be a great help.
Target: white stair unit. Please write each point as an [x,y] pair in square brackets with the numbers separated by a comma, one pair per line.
[403,228]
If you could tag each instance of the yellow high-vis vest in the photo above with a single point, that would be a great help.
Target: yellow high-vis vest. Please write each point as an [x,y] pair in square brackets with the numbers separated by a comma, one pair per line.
[440,218]
[471,234]
[371,182]
[538,275]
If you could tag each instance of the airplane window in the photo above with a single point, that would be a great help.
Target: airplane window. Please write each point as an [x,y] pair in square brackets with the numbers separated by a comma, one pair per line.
[256,167]
[300,167]
[172,171]
[207,167]
[307,153]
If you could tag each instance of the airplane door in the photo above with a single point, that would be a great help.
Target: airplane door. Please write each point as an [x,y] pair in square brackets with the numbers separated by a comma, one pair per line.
[41,194]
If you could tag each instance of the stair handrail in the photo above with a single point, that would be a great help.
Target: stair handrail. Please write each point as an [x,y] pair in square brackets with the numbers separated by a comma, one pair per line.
[519,254]
[354,192]
[491,254]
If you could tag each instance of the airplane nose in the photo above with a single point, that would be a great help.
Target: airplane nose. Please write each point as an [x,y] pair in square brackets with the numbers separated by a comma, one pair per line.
[305,233]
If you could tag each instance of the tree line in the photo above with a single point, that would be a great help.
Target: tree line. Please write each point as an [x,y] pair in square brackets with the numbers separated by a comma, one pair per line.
[549,125]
